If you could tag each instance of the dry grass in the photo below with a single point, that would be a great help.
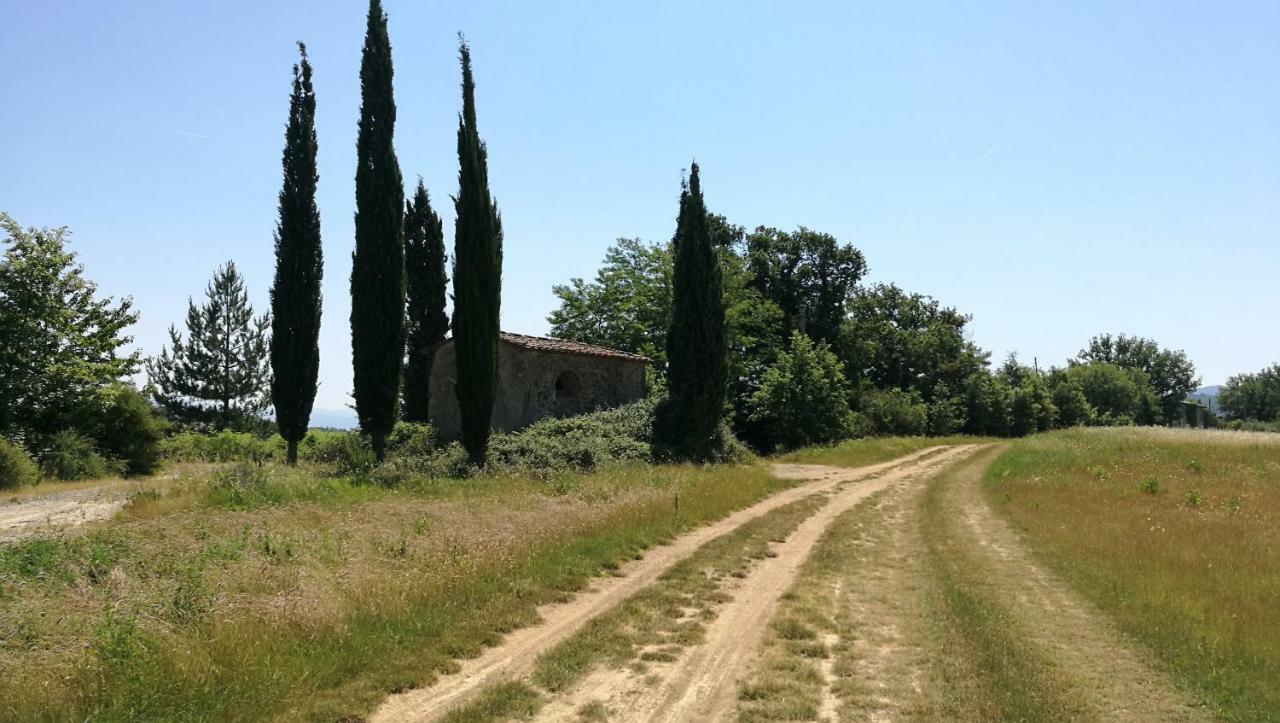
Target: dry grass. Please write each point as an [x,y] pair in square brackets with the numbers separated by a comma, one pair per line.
[304,598]
[1174,534]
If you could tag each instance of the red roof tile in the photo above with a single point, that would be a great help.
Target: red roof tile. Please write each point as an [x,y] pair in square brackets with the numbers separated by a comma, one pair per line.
[565,346]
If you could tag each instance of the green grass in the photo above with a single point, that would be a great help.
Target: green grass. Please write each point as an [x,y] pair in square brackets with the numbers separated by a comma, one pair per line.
[1174,535]
[984,659]
[870,450]
[299,605]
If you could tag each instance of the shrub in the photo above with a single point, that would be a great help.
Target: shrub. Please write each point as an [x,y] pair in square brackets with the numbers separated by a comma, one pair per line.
[411,439]
[1149,485]
[224,446]
[577,443]
[325,446]
[896,412]
[127,428]
[17,469]
[73,456]
[803,397]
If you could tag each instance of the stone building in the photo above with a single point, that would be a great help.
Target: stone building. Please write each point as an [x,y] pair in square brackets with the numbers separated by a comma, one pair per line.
[538,378]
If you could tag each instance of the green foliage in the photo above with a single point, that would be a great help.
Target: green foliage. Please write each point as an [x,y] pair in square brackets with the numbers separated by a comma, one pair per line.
[804,399]
[224,446]
[73,456]
[126,427]
[626,307]
[220,374]
[295,292]
[806,274]
[896,412]
[17,469]
[696,343]
[377,265]
[1170,374]
[426,286]
[577,443]
[1253,396]
[59,342]
[477,277]
[893,339]
[1115,393]
[1069,400]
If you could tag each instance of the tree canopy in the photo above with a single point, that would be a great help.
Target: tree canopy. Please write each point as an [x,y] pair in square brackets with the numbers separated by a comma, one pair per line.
[60,341]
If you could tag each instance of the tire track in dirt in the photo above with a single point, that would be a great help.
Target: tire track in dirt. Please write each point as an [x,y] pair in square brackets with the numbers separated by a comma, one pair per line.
[1101,670]
[702,684]
[515,655]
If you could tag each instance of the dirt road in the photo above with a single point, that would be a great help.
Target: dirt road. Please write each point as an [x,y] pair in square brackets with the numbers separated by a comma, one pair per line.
[843,618]
[31,515]
[514,657]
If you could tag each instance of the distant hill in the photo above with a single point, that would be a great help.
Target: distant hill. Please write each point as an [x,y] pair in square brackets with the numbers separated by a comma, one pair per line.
[334,418]
[1207,396]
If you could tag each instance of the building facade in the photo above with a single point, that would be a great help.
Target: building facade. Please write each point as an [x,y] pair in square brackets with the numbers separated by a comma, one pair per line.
[538,378]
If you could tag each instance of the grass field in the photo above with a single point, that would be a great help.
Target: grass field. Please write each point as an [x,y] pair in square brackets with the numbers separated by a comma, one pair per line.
[270,593]
[1175,535]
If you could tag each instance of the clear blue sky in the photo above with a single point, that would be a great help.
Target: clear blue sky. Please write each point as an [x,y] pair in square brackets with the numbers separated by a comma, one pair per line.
[1054,169]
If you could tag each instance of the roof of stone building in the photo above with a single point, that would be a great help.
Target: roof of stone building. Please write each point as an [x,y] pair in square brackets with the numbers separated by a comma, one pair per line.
[564,346]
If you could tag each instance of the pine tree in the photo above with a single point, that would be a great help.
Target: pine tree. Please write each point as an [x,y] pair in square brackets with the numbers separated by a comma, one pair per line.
[477,277]
[295,294]
[377,266]
[425,287]
[219,374]
[697,367]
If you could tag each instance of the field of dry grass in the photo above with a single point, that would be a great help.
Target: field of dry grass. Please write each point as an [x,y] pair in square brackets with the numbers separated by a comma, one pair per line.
[1175,535]
[285,594]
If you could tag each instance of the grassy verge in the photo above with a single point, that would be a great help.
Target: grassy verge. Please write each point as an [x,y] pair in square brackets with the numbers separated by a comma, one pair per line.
[1174,534]
[983,657]
[300,598]
[870,450]
[653,626]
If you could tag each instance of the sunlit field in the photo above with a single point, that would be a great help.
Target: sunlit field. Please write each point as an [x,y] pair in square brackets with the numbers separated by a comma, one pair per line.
[1175,534]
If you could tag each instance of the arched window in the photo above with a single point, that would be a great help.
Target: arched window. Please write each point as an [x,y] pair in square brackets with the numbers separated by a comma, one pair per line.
[567,386]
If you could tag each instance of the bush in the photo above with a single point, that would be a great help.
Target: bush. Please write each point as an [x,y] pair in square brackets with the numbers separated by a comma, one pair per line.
[577,443]
[17,469]
[127,428]
[325,446]
[896,412]
[224,446]
[803,397]
[73,456]
[411,439]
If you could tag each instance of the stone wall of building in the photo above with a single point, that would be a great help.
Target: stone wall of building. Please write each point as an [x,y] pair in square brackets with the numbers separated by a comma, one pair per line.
[535,384]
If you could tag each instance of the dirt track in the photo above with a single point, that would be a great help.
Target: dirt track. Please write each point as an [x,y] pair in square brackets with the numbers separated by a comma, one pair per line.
[32,515]
[515,656]
[883,658]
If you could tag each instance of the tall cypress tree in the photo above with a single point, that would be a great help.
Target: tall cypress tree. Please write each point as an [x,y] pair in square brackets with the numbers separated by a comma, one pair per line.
[377,266]
[477,277]
[295,294]
[425,288]
[697,368]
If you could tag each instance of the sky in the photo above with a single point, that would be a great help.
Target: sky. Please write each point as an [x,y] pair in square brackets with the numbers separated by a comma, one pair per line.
[1054,169]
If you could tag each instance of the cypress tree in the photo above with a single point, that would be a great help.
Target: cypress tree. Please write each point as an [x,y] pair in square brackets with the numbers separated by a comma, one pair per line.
[295,294]
[425,288]
[377,265]
[697,367]
[477,277]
